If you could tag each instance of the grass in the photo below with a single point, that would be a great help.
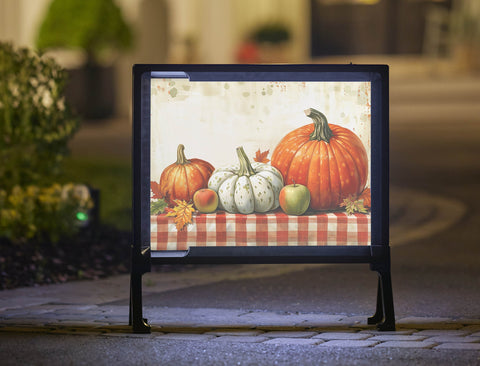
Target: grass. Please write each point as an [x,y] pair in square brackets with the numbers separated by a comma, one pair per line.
[113,179]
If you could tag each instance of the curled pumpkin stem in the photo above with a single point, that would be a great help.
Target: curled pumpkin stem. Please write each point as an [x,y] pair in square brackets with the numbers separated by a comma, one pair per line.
[181,158]
[245,166]
[322,131]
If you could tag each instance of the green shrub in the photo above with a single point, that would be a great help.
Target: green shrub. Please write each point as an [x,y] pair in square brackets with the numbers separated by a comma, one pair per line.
[35,122]
[95,26]
[43,214]
[271,33]
[35,127]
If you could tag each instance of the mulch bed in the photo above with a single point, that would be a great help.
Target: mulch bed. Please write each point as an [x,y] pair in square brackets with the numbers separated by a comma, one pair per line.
[93,253]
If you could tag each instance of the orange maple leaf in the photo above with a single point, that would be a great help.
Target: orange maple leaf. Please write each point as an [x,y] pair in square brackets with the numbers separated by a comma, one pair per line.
[182,213]
[261,157]
[365,196]
[155,187]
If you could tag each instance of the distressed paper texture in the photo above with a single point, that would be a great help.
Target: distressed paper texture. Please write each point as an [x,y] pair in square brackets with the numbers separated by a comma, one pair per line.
[213,118]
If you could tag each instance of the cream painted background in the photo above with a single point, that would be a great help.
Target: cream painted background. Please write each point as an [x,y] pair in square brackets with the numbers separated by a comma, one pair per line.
[212,119]
[173,31]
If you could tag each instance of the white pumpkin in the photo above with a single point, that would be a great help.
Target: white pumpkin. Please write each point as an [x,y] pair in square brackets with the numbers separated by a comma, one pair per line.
[248,187]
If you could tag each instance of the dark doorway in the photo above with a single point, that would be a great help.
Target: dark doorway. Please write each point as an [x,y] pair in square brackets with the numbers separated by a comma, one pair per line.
[346,27]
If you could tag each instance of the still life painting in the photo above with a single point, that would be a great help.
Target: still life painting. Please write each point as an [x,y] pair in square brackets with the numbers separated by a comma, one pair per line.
[264,163]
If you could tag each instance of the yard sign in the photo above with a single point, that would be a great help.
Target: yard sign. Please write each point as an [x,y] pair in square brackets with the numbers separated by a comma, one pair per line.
[261,164]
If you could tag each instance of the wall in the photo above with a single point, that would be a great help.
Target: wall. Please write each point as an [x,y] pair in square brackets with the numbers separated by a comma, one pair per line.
[19,20]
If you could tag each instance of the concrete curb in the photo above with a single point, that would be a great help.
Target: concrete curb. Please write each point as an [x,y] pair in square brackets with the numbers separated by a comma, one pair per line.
[238,326]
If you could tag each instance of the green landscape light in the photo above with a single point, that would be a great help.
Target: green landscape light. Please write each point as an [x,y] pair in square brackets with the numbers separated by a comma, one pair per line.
[82,216]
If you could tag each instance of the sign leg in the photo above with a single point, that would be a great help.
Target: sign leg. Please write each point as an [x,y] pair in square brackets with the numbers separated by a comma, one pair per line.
[378,316]
[387,299]
[136,319]
[384,315]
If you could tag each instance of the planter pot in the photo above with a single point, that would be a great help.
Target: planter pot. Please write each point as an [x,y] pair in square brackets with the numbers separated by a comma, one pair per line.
[90,91]
[273,52]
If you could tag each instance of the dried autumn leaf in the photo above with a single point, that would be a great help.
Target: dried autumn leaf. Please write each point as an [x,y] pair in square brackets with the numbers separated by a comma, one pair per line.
[261,157]
[182,213]
[155,187]
[352,205]
[158,207]
[366,197]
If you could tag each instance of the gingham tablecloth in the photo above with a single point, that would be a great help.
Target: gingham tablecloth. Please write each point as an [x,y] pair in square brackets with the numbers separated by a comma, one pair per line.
[271,229]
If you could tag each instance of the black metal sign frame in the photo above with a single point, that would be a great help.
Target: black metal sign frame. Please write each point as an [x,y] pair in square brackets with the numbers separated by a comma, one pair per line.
[377,254]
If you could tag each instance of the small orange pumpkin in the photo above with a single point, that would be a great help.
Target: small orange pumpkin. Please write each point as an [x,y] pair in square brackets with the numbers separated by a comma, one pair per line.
[183,178]
[329,159]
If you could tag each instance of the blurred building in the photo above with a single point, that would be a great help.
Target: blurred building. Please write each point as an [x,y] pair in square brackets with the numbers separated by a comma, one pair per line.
[228,31]
[373,26]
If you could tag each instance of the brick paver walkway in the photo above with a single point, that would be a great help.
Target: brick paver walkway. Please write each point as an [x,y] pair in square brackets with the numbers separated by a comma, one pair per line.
[226,325]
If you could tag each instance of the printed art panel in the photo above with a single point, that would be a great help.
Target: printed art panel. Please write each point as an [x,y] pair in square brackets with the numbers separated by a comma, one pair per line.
[259,163]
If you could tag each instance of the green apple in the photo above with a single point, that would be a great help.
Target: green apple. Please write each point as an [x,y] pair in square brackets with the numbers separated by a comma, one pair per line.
[294,199]
[205,200]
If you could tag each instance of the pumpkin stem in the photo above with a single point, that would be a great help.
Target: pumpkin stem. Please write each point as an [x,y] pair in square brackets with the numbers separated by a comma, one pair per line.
[322,131]
[245,166]
[181,158]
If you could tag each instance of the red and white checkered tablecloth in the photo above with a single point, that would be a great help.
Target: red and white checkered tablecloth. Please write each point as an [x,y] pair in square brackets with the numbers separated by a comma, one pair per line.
[271,229]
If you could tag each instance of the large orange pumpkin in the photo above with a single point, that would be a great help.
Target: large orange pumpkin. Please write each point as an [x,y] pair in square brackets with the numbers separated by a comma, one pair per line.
[183,178]
[329,159]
